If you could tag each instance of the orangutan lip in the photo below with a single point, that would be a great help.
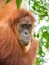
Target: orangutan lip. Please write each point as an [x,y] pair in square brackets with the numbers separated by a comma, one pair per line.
[23,43]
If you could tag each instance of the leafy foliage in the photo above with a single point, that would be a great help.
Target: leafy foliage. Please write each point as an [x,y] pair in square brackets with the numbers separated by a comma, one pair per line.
[7,1]
[40,8]
[18,2]
[43,36]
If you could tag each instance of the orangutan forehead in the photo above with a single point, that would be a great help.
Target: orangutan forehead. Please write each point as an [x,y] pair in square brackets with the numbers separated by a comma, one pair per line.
[24,16]
[21,15]
[27,18]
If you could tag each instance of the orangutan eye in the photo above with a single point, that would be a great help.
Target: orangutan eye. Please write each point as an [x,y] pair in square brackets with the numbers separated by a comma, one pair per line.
[29,26]
[24,25]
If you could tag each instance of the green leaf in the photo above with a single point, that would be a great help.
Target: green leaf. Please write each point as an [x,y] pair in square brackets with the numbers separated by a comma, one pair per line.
[18,3]
[47,28]
[7,1]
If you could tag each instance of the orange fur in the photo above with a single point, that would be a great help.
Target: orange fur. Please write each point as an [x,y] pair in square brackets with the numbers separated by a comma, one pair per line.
[11,52]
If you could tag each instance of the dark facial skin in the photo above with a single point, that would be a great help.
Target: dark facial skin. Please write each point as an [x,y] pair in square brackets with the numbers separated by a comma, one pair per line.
[24,29]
